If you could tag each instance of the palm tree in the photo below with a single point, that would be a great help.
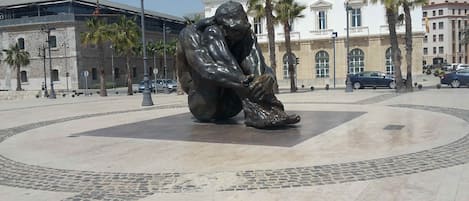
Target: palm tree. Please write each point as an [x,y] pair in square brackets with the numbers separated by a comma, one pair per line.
[171,51]
[257,9]
[97,35]
[391,7]
[16,58]
[126,39]
[287,11]
[407,5]
[156,49]
[192,19]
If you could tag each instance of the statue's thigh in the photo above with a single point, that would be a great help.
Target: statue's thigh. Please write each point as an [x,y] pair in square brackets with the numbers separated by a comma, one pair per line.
[203,102]
[229,105]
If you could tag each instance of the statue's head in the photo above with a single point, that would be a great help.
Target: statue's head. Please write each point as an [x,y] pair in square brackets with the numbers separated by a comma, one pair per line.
[233,19]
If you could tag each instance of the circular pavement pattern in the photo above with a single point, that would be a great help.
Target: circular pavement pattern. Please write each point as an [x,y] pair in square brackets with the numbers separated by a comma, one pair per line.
[90,185]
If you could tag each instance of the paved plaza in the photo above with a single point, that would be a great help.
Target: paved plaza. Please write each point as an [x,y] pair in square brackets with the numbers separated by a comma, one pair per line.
[366,145]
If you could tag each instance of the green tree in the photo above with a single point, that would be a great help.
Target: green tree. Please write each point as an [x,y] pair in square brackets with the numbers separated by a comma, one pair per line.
[156,50]
[126,39]
[391,7]
[171,51]
[286,12]
[407,5]
[261,9]
[16,57]
[192,19]
[97,35]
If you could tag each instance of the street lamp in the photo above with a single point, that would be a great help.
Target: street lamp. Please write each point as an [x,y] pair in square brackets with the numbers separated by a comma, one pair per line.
[112,68]
[67,74]
[43,55]
[334,36]
[146,92]
[348,83]
[47,30]
[164,49]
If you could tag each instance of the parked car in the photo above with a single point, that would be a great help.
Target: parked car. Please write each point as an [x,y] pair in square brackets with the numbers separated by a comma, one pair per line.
[162,85]
[456,79]
[372,79]
[462,66]
[166,84]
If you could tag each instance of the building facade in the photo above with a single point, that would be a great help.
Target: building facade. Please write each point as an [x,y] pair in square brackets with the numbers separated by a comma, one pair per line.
[313,44]
[445,22]
[26,22]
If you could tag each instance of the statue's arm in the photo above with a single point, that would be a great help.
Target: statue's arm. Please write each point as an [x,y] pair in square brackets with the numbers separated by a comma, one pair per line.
[264,82]
[255,62]
[209,61]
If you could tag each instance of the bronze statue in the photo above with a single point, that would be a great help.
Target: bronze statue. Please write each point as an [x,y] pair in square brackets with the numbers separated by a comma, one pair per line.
[221,68]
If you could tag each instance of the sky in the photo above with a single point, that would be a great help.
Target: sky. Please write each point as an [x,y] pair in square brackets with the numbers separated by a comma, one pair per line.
[172,7]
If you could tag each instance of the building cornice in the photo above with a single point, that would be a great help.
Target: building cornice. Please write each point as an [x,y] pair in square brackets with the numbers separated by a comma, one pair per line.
[444,5]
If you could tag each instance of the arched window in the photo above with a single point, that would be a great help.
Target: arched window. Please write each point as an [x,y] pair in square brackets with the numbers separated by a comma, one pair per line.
[322,64]
[389,65]
[285,65]
[357,61]
[55,75]
[24,76]
[21,43]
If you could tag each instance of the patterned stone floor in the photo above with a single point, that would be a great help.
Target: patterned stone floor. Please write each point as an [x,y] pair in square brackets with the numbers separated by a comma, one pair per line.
[132,186]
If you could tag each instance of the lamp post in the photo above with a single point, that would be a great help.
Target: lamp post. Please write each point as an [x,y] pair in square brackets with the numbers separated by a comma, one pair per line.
[112,69]
[146,92]
[43,55]
[164,50]
[47,30]
[65,45]
[334,36]
[348,83]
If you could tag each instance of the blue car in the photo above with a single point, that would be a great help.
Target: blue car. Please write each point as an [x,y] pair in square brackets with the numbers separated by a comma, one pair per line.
[372,79]
[456,79]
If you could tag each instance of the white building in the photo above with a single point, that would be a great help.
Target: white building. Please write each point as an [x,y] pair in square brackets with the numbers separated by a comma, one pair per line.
[312,40]
[446,21]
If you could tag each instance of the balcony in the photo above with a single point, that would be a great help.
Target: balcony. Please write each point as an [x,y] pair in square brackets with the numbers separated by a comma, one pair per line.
[322,32]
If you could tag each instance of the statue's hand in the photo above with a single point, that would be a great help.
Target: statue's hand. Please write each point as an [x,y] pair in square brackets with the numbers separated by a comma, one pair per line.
[262,86]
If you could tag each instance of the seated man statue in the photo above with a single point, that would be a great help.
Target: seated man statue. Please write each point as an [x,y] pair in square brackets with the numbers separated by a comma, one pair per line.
[221,68]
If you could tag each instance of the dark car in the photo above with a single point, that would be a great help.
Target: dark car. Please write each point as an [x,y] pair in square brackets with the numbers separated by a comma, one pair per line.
[456,79]
[372,79]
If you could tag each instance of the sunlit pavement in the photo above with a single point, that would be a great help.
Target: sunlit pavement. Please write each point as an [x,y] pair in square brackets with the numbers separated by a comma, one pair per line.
[365,145]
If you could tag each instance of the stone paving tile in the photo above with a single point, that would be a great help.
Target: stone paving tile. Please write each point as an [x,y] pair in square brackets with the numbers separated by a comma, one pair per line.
[372,100]
[132,186]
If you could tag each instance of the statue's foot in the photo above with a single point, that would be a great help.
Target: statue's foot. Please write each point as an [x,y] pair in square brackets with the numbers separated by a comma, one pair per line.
[293,119]
[266,117]
[267,122]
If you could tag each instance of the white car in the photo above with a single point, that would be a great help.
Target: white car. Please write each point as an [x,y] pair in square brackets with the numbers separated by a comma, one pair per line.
[462,66]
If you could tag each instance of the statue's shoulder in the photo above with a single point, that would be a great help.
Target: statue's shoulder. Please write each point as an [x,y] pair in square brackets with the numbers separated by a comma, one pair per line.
[188,29]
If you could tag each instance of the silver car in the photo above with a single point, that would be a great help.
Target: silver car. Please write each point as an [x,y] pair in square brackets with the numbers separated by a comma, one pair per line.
[166,84]
[162,85]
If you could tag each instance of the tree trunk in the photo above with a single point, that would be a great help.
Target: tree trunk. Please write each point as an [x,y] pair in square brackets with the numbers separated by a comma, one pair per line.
[18,78]
[102,81]
[408,45]
[129,76]
[291,69]
[271,36]
[396,53]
